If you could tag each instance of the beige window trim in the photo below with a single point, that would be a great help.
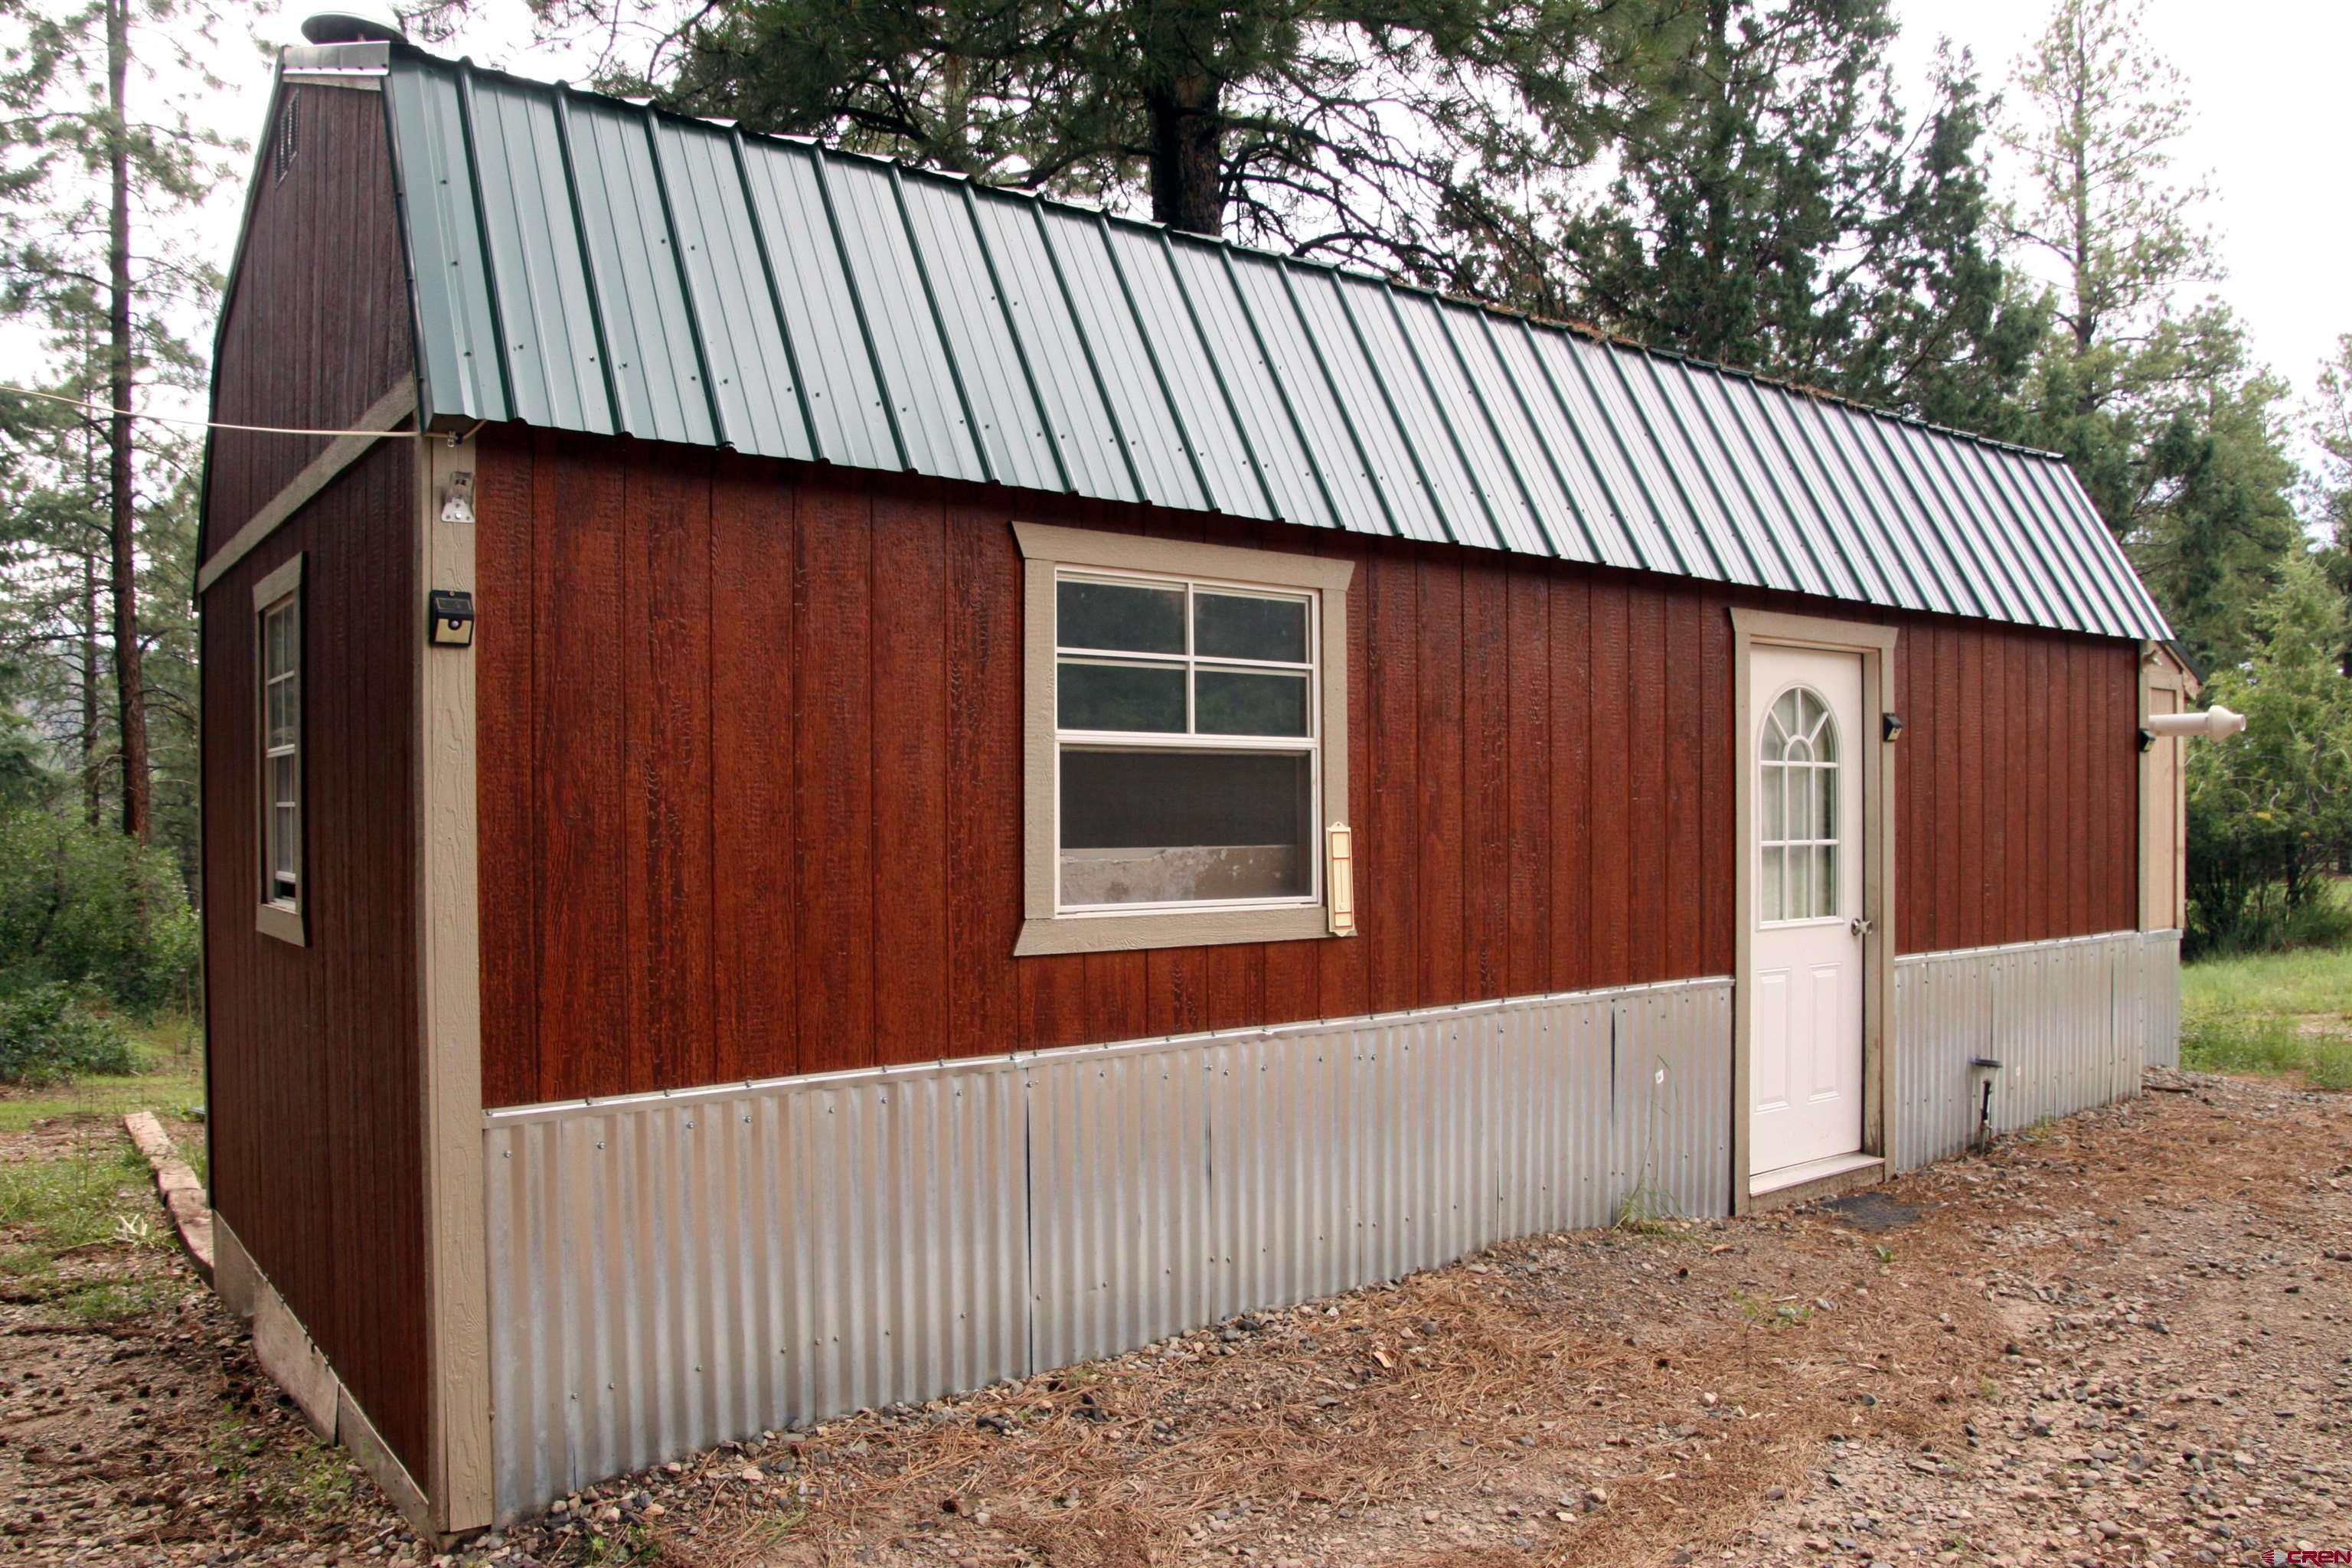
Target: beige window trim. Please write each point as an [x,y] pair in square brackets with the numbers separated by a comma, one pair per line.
[1876,645]
[1046,549]
[288,923]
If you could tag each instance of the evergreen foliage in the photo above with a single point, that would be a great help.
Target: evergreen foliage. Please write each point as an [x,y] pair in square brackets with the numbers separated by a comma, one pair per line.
[91,908]
[2267,810]
[48,1035]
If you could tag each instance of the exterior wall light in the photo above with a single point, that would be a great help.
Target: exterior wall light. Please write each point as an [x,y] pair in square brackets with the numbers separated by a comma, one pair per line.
[452,612]
[2216,721]
[1890,726]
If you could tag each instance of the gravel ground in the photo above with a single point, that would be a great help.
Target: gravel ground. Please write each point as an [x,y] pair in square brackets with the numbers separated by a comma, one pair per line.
[2122,1337]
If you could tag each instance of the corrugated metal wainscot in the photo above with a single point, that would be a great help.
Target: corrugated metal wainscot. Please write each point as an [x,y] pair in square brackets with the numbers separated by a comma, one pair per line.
[672,1271]
[2071,1023]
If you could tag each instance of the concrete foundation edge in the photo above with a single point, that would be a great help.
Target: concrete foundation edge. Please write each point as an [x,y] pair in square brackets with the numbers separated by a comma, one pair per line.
[294,1361]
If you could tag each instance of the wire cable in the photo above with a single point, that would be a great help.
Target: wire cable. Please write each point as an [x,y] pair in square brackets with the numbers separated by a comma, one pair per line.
[89,407]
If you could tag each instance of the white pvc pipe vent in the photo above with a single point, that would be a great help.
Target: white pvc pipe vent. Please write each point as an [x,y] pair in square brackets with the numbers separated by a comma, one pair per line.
[2216,721]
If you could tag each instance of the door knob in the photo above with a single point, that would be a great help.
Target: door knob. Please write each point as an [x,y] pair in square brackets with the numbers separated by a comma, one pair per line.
[1861,926]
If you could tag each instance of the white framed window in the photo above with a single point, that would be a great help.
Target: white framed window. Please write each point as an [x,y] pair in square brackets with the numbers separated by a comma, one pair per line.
[1797,809]
[1186,756]
[277,634]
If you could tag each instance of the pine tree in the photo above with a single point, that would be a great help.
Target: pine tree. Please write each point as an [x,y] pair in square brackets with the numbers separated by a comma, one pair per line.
[2329,485]
[2268,810]
[1774,208]
[2149,389]
[90,176]
[1394,137]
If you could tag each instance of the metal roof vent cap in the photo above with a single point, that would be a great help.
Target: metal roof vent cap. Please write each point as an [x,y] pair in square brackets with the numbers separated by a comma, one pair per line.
[343,28]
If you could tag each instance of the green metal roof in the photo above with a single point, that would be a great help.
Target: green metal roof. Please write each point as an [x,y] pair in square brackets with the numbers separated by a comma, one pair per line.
[583,263]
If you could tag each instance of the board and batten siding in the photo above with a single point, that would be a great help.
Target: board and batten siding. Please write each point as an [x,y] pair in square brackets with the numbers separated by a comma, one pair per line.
[318,328]
[312,1051]
[750,786]
[2017,785]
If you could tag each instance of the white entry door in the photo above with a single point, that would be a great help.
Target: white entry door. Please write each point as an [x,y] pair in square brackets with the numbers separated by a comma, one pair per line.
[1805,983]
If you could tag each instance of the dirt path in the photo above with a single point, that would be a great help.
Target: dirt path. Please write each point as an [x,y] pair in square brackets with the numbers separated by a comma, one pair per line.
[2127,1339]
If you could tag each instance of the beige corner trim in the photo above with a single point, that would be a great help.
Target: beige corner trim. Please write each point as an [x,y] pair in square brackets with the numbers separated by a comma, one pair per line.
[1047,548]
[2166,686]
[1875,643]
[294,1361]
[457,1468]
[383,418]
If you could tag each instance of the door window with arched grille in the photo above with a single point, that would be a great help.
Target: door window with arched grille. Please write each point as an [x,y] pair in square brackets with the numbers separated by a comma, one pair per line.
[1796,804]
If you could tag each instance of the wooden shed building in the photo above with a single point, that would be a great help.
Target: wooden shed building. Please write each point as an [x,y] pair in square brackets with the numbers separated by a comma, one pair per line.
[832,784]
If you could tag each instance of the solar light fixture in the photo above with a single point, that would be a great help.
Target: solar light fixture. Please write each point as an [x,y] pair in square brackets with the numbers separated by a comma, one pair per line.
[452,614]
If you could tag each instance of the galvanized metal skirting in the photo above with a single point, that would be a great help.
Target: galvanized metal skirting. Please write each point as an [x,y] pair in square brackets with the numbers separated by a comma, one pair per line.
[672,1271]
[2072,1022]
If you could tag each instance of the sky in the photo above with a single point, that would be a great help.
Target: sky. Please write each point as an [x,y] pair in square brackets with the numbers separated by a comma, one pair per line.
[2267,84]
[2271,124]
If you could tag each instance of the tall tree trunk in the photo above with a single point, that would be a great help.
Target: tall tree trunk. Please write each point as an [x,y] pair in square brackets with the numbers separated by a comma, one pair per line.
[91,793]
[92,785]
[129,699]
[1188,135]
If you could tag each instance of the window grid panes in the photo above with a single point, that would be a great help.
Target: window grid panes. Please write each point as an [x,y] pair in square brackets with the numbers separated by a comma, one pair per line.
[1797,809]
[281,765]
[1186,757]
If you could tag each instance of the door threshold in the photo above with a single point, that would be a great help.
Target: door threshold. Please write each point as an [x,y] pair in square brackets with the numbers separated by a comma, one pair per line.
[1792,1185]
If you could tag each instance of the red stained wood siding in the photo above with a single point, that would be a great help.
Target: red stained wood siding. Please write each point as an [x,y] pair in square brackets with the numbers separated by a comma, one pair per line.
[1540,777]
[316,1149]
[2017,792]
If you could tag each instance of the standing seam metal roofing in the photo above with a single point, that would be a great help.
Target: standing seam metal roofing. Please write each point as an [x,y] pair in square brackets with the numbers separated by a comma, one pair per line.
[587,264]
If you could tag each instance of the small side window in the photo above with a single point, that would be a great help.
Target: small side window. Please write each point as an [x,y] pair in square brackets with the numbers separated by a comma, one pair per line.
[1186,766]
[278,612]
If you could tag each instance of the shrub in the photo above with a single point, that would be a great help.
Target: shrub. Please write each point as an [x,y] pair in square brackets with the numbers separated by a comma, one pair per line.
[87,907]
[47,1035]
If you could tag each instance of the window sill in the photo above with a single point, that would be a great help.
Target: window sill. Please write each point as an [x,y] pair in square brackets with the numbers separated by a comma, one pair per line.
[285,924]
[1208,927]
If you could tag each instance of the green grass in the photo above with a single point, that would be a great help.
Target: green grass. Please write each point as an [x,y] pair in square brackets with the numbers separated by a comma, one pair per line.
[61,1213]
[2286,1014]
[78,1196]
[170,1082]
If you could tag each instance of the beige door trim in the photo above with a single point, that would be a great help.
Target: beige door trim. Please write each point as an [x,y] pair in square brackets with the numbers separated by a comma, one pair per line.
[449,1013]
[1875,645]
